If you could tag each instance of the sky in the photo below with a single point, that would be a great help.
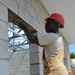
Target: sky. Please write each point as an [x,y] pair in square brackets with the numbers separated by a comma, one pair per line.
[72,48]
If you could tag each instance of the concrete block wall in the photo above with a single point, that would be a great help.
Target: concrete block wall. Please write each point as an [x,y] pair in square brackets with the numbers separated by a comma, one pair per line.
[19,63]
[31,11]
[67,61]
[3,40]
[36,59]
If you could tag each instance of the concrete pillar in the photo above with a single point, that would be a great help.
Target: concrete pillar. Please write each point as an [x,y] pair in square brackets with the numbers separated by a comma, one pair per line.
[3,40]
[36,66]
[67,61]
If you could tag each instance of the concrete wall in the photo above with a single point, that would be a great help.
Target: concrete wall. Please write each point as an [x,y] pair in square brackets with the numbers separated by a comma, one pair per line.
[19,63]
[32,12]
[67,61]
[36,66]
[3,40]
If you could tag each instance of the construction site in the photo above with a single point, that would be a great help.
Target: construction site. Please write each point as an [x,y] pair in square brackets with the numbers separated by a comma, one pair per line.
[17,55]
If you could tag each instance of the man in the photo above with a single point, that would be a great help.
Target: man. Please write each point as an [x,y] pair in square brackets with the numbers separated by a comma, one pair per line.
[53,51]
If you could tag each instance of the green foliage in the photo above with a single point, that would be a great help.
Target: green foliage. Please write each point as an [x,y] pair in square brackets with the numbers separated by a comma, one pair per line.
[72,55]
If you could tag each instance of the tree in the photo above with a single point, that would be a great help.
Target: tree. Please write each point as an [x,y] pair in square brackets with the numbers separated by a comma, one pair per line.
[72,55]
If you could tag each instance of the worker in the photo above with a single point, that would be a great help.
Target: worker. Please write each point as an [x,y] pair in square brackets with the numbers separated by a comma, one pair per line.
[52,43]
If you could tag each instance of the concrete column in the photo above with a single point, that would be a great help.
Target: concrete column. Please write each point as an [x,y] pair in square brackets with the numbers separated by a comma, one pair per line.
[3,40]
[36,66]
[67,61]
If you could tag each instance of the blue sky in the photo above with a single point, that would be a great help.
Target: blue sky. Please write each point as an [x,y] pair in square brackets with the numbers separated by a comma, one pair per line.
[72,48]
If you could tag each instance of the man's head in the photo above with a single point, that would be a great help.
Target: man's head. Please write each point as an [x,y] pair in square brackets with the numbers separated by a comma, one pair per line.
[54,22]
[52,26]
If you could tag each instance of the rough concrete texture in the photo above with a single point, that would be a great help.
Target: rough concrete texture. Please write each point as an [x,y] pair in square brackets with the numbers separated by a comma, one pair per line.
[3,40]
[19,63]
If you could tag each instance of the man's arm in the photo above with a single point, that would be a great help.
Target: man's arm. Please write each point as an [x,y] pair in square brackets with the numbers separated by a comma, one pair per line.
[30,36]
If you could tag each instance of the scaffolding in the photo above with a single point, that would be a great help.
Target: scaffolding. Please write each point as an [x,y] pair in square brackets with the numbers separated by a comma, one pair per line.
[17,40]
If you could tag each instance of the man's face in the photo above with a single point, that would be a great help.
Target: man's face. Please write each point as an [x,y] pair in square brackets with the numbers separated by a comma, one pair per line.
[51,25]
[48,27]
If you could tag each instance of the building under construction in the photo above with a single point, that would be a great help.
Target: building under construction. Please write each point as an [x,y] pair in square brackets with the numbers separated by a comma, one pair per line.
[17,55]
